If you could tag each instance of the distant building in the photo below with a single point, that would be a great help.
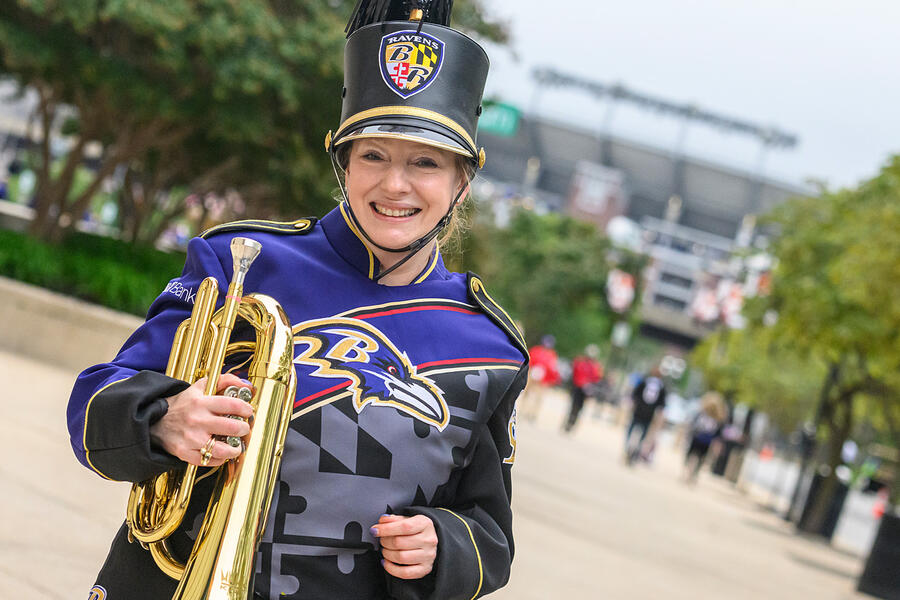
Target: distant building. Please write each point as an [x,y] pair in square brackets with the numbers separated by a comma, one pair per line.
[693,213]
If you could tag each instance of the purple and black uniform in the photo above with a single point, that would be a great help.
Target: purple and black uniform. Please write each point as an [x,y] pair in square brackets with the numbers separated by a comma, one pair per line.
[405,405]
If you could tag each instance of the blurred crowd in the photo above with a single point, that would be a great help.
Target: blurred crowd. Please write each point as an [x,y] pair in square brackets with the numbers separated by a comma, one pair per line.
[643,403]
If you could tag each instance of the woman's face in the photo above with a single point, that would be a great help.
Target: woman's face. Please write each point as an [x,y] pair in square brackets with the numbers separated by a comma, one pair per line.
[399,190]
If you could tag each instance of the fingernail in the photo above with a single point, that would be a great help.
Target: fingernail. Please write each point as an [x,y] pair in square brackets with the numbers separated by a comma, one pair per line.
[373,530]
[245,381]
[384,515]
[382,562]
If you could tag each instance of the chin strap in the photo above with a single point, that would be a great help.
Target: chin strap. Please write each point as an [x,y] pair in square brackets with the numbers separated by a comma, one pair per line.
[412,248]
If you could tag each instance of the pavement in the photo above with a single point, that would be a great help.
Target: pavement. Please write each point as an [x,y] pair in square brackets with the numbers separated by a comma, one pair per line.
[586,526]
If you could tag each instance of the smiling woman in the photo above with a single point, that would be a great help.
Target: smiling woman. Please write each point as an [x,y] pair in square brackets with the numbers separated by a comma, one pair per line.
[395,478]
[398,192]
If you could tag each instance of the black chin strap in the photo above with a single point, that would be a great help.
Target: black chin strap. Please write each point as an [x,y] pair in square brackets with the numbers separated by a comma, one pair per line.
[412,248]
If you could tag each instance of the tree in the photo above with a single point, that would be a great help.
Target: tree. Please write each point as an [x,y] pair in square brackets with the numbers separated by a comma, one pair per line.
[832,290]
[203,94]
[740,365]
[549,272]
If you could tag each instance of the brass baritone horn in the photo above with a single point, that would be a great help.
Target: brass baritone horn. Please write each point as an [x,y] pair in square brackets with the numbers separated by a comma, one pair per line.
[220,566]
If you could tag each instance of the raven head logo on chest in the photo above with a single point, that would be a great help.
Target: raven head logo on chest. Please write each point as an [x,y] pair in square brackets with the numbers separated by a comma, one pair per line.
[379,373]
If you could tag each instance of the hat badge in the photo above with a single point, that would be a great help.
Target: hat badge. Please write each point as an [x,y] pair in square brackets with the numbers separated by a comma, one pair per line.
[410,61]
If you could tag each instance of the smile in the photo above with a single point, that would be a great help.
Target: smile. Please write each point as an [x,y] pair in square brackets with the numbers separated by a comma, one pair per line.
[394,212]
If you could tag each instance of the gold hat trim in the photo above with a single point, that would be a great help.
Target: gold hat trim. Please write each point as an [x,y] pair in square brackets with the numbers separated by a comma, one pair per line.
[409,138]
[407,111]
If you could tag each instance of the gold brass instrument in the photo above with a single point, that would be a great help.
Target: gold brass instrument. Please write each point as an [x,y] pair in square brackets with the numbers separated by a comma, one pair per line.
[221,563]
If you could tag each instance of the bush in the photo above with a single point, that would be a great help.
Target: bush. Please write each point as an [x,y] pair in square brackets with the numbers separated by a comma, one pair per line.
[106,271]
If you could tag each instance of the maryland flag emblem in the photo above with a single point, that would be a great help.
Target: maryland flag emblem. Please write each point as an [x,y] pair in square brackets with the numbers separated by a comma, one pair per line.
[410,61]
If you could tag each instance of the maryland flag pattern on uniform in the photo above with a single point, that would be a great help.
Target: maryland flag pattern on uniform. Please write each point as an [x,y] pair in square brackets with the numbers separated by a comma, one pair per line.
[410,61]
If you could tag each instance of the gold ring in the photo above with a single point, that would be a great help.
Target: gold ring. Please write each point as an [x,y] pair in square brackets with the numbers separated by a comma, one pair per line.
[206,451]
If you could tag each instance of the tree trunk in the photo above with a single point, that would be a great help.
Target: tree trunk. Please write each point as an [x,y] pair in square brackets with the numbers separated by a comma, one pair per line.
[840,423]
[127,207]
[808,444]
[175,207]
[55,213]
[46,203]
[80,204]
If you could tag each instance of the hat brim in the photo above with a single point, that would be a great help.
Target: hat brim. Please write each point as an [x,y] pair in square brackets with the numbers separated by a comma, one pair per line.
[420,136]
[403,129]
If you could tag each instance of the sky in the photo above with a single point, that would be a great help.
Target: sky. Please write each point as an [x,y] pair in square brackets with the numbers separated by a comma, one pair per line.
[826,71]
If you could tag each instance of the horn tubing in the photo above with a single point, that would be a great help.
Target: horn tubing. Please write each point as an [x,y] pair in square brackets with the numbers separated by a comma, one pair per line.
[221,563]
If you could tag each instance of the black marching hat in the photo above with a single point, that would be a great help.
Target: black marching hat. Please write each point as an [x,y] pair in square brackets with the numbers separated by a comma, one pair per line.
[408,75]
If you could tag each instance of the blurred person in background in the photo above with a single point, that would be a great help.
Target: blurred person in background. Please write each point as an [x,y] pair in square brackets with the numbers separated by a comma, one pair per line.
[543,375]
[704,430]
[586,375]
[648,400]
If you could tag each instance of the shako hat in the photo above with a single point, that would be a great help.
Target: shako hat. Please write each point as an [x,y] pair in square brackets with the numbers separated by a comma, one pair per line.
[408,75]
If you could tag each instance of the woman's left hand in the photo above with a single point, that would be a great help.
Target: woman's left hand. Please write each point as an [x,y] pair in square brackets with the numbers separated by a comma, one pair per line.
[408,544]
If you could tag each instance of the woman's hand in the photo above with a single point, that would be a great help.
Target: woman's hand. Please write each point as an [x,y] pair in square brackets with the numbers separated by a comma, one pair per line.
[408,544]
[193,418]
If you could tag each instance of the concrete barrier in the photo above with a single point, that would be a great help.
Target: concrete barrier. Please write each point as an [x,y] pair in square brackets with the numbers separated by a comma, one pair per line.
[57,329]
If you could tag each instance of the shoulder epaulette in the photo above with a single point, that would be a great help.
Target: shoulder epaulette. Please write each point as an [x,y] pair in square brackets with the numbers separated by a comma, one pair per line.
[495,311]
[284,227]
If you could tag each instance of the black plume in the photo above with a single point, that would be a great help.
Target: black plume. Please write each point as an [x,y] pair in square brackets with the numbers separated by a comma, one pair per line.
[377,11]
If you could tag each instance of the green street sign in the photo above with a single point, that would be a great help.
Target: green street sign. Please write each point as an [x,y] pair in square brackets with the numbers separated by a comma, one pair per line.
[500,119]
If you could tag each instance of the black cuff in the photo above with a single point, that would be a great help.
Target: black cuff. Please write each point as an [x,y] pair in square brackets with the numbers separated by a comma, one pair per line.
[411,589]
[461,571]
[117,427]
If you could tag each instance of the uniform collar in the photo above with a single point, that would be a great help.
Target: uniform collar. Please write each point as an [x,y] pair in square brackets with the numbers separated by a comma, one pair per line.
[347,241]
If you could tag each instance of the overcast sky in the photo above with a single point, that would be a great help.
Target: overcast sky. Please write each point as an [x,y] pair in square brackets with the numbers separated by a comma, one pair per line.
[824,70]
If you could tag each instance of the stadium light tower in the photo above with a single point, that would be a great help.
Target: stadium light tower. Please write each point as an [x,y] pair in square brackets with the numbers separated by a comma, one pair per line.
[769,136]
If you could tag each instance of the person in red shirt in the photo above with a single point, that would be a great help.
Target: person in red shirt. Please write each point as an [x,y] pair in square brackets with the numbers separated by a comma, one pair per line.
[586,374]
[543,374]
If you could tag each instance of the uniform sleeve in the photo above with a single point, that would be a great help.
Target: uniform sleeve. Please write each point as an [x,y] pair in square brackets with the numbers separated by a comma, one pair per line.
[475,541]
[113,405]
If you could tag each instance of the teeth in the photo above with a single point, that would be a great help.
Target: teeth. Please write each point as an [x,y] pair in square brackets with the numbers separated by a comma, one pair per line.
[393,212]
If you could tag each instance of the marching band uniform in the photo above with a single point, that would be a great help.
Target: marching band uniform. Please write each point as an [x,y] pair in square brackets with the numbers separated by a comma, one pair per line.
[404,404]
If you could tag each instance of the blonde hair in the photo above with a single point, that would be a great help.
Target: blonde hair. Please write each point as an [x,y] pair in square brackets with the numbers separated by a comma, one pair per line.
[451,235]
[713,405]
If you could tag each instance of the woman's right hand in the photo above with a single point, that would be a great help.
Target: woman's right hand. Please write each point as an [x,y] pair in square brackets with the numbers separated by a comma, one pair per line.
[193,418]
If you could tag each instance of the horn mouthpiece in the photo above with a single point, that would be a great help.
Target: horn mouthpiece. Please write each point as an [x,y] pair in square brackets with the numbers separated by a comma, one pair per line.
[243,252]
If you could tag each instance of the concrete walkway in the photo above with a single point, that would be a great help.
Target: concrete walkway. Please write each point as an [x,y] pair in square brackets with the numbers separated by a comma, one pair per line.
[586,526]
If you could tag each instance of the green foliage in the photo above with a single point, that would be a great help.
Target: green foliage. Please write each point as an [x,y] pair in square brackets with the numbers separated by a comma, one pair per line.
[834,292]
[468,15]
[97,269]
[837,273]
[748,366]
[205,94]
[834,287]
[549,272]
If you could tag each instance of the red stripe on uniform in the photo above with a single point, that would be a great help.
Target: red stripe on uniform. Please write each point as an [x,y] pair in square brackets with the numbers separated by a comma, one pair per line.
[303,401]
[414,308]
[460,361]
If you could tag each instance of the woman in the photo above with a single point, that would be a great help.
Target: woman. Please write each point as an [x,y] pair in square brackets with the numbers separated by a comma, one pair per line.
[705,429]
[395,478]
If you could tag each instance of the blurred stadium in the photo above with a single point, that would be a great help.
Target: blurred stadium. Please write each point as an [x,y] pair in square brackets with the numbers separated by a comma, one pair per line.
[695,218]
